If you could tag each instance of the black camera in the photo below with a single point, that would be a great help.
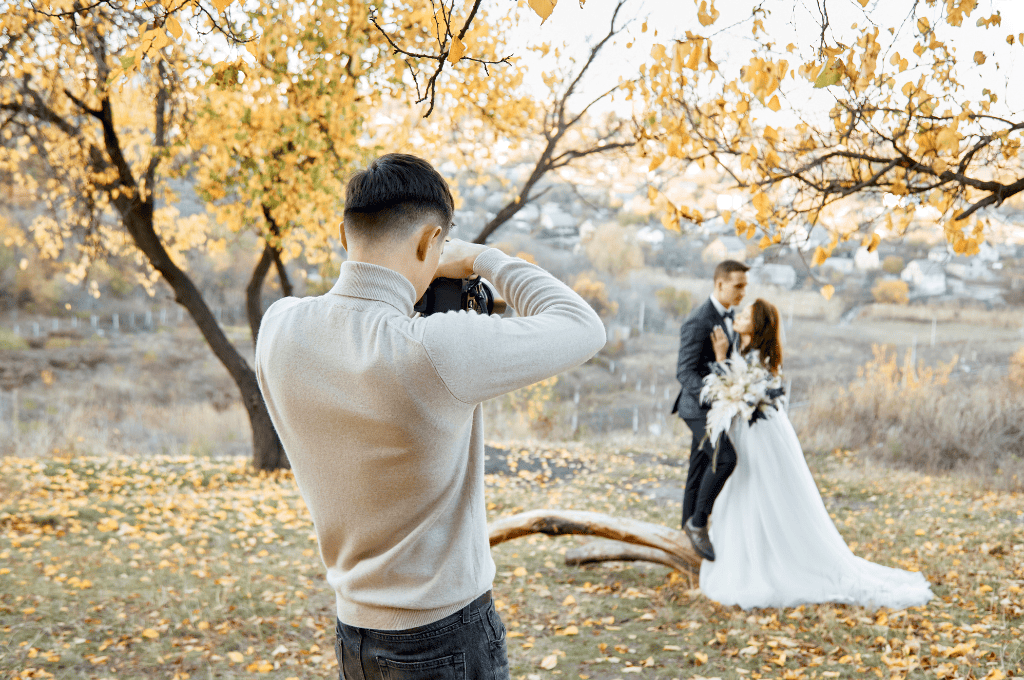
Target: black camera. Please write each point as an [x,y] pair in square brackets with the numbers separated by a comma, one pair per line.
[446,295]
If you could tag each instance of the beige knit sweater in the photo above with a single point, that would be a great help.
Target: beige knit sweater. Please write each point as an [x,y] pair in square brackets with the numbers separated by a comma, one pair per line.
[379,413]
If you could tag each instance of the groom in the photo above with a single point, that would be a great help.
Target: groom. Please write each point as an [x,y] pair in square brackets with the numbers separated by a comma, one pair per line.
[696,353]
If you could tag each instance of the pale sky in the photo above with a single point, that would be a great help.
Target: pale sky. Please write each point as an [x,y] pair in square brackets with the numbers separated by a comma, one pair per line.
[732,40]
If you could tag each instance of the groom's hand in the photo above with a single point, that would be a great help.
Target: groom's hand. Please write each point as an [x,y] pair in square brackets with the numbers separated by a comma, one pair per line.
[720,343]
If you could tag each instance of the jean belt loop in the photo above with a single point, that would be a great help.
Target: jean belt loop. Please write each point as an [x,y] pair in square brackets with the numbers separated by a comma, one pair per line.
[466,612]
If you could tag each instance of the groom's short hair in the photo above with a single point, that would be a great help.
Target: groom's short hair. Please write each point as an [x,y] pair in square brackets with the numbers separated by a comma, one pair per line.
[726,268]
[395,194]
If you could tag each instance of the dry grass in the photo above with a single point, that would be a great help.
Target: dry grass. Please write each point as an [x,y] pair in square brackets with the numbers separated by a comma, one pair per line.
[914,417]
[1008,317]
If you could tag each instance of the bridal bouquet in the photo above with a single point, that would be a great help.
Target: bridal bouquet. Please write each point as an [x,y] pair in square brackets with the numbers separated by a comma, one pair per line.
[739,387]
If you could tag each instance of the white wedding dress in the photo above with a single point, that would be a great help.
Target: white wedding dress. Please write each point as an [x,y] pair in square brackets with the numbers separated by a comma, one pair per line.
[775,544]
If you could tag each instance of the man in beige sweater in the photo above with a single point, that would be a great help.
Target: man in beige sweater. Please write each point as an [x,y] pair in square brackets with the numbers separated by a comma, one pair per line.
[379,412]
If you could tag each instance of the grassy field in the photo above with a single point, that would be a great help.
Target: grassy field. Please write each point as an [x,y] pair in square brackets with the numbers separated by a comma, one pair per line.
[192,567]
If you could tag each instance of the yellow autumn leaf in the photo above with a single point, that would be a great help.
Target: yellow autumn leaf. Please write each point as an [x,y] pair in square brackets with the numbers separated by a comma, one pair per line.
[568,601]
[236,657]
[820,255]
[569,630]
[707,15]
[221,5]
[543,8]
[458,48]
[549,662]
[871,242]
[761,202]
[979,57]
[700,658]
[828,291]
[774,104]
[150,633]
[173,25]
[519,571]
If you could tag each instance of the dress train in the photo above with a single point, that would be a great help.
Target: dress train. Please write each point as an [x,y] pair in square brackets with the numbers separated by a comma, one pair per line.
[776,545]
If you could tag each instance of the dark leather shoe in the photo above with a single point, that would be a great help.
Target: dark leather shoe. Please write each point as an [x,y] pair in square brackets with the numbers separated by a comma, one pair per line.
[700,540]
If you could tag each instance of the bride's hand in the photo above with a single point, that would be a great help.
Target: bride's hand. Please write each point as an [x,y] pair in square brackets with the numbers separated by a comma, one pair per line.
[720,343]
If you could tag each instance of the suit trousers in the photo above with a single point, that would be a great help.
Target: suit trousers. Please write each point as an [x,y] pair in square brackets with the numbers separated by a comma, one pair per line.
[702,484]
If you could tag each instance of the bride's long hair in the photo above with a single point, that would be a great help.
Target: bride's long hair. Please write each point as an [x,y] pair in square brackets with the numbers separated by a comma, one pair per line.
[765,338]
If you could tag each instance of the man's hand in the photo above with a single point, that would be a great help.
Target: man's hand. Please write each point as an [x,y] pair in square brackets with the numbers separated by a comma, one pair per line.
[457,259]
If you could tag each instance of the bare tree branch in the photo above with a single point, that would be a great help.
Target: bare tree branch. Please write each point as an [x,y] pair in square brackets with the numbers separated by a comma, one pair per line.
[444,48]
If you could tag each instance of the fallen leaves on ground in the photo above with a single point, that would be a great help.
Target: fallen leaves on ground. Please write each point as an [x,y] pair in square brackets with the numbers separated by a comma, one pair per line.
[185,567]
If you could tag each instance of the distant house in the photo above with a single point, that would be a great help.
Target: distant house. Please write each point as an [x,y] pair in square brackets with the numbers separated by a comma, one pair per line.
[782,275]
[725,248]
[991,295]
[866,261]
[843,265]
[970,268]
[987,253]
[927,276]
[553,216]
[939,254]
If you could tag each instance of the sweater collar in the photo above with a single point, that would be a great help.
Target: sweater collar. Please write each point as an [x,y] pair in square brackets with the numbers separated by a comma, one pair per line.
[373,282]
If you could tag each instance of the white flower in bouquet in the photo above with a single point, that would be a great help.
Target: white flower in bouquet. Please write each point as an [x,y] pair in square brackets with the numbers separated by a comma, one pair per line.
[739,387]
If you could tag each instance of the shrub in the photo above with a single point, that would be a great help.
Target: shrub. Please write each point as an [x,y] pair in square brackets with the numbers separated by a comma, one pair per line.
[533,405]
[1017,369]
[892,264]
[892,291]
[613,249]
[595,293]
[914,417]
[35,292]
[9,340]
[329,272]
[674,301]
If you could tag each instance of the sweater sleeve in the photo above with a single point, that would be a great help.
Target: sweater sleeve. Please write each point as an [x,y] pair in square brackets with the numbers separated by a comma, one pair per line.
[479,357]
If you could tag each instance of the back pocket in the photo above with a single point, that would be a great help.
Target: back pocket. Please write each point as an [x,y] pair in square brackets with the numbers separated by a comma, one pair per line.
[445,668]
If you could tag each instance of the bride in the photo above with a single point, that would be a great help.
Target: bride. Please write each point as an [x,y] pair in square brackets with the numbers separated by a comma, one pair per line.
[775,544]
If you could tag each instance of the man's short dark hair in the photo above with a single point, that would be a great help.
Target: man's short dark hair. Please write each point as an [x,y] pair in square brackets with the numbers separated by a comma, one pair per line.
[394,194]
[726,268]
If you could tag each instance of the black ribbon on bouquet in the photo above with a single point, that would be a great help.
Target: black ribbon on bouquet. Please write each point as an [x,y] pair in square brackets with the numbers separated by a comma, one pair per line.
[773,394]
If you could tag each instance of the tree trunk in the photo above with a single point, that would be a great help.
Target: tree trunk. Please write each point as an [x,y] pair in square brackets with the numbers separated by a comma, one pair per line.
[503,216]
[657,543]
[275,252]
[282,273]
[267,454]
[254,292]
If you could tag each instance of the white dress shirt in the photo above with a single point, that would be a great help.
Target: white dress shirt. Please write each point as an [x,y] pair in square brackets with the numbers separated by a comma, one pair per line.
[728,322]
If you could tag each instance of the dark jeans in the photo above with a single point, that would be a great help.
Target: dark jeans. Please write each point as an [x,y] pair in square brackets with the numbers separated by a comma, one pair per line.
[703,485]
[466,645]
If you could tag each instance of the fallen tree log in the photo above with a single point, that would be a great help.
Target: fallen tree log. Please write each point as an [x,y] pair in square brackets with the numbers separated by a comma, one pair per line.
[617,551]
[673,545]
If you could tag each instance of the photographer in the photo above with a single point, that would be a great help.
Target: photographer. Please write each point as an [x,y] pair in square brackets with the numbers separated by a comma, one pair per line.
[379,413]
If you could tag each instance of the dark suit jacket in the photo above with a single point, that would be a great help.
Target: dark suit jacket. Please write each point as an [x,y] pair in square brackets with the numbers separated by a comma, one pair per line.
[696,354]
